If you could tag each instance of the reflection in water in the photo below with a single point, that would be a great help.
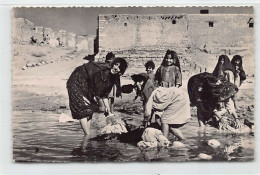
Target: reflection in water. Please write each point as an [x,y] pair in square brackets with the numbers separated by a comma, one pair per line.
[38,137]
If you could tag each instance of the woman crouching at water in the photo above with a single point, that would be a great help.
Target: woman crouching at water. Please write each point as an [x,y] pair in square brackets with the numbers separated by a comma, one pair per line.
[89,82]
[174,103]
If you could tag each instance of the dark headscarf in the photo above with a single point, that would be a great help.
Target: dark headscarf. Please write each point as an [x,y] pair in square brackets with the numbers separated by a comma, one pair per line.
[242,73]
[173,56]
[226,66]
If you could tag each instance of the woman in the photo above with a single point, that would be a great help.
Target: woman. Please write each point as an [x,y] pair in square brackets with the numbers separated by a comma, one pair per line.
[210,96]
[239,73]
[175,107]
[116,90]
[224,70]
[89,82]
[169,73]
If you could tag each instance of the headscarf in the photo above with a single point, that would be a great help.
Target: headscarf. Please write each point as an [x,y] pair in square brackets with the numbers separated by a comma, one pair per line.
[242,73]
[222,68]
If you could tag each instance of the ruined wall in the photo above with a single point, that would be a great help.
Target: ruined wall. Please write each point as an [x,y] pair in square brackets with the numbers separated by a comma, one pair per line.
[142,35]
[24,31]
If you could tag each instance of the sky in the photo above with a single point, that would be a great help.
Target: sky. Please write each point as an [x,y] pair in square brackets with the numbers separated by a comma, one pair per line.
[83,20]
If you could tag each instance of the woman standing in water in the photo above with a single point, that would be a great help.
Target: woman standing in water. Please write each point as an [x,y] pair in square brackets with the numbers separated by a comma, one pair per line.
[89,82]
[175,106]
[239,73]
[169,73]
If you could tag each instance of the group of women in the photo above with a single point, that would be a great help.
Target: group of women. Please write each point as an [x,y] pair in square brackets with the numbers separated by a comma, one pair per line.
[89,87]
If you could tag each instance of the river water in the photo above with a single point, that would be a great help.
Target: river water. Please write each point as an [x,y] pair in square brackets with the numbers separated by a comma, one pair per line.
[39,137]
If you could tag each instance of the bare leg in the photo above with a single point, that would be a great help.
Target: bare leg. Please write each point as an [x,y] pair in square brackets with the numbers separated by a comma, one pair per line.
[85,142]
[158,119]
[85,124]
[111,101]
[201,124]
[165,129]
[177,133]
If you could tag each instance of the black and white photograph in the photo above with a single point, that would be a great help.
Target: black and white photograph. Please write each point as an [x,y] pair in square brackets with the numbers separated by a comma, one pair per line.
[133,84]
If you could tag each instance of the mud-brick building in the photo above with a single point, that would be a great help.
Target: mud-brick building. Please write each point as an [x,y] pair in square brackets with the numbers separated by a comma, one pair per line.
[221,31]
[142,36]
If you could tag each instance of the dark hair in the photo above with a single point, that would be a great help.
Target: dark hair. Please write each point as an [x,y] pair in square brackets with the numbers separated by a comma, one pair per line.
[173,56]
[237,57]
[123,64]
[139,78]
[242,73]
[149,64]
[110,57]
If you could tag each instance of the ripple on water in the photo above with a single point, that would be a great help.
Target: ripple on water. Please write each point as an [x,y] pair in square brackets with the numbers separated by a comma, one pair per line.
[39,137]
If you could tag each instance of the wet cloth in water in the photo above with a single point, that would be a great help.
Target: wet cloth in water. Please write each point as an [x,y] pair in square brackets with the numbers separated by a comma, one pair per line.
[116,126]
[153,138]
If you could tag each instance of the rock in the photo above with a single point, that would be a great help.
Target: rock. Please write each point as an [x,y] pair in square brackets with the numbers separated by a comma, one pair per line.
[177,144]
[214,143]
[205,156]
[65,118]
[24,67]
[43,62]
[29,65]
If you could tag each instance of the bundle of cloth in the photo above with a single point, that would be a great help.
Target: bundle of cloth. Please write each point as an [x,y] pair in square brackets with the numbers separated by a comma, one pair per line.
[114,126]
[151,138]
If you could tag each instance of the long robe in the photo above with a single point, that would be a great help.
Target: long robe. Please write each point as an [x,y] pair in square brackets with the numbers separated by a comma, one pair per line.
[86,82]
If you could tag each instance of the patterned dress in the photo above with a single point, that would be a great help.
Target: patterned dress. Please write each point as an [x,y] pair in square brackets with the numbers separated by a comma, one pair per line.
[168,76]
[86,82]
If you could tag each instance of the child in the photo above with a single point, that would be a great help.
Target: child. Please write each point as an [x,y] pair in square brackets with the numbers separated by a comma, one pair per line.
[149,66]
[239,73]
[169,73]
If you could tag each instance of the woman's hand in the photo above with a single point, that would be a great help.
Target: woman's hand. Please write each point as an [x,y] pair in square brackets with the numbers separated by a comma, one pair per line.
[238,125]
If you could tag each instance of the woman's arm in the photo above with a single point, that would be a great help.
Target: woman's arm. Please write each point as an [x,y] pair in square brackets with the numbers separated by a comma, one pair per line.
[107,106]
[148,110]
